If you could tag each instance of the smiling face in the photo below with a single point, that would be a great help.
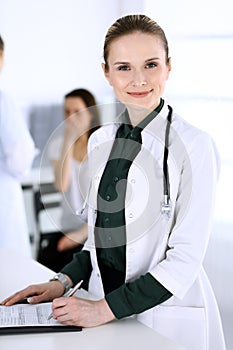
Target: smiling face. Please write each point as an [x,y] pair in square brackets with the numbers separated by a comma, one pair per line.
[137,69]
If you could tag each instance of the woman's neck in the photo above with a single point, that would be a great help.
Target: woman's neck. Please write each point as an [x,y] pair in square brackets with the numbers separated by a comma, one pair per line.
[138,113]
[80,148]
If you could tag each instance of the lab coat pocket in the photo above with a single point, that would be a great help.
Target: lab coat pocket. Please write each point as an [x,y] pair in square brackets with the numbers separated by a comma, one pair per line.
[184,325]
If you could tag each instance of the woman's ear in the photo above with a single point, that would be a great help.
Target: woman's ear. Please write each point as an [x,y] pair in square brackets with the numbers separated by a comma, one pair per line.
[169,64]
[1,59]
[169,67]
[106,73]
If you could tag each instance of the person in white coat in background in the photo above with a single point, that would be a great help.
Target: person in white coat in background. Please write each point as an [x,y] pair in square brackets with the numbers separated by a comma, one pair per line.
[150,206]
[17,152]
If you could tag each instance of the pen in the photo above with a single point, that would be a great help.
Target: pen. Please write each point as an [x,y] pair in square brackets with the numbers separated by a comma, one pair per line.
[69,294]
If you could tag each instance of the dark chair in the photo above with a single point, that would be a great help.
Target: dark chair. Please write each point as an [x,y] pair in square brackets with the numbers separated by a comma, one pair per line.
[46,199]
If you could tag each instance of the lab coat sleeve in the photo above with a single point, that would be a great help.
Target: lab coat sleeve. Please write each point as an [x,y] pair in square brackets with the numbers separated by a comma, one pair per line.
[193,214]
[16,141]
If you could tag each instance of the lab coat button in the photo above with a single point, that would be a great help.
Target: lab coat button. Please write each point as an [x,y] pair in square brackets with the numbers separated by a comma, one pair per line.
[133,181]
[130,215]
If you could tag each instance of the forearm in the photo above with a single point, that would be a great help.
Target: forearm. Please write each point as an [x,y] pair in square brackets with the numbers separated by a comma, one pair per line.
[62,167]
[136,297]
[81,235]
[79,268]
[72,239]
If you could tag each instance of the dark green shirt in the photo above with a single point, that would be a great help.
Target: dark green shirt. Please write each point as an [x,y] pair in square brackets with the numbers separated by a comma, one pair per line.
[123,298]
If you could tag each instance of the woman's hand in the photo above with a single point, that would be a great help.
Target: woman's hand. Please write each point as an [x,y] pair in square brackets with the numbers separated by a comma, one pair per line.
[81,312]
[36,293]
[72,239]
[77,125]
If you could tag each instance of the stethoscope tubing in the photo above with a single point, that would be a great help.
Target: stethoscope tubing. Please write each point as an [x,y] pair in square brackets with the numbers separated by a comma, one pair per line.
[166,187]
[166,202]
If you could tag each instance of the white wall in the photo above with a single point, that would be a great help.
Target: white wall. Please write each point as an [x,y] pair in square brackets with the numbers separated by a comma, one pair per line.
[53,46]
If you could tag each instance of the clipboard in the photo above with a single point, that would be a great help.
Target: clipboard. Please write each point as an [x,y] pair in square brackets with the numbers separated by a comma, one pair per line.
[25,318]
[37,329]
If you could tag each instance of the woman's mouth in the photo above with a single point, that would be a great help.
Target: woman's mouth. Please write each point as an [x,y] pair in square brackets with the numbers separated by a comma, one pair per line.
[139,94]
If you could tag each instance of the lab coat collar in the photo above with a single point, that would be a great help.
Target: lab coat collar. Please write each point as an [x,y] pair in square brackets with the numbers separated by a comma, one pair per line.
[123,116]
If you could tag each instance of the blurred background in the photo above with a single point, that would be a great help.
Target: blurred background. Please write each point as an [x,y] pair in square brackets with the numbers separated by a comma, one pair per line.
[54,46]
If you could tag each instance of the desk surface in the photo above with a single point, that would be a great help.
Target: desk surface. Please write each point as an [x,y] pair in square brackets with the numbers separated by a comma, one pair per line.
[38,176]
[17,272]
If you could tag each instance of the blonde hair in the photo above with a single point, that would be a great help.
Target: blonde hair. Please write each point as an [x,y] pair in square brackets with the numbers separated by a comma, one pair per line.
[129,24]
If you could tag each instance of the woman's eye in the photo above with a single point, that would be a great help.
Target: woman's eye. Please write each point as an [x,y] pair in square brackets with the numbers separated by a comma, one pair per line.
[151,65]
[123,67]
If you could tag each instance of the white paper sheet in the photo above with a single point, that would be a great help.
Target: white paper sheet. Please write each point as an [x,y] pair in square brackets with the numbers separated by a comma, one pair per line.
[27,315]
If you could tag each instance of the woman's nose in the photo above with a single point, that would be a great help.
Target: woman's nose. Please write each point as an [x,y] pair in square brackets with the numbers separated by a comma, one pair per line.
[138,79]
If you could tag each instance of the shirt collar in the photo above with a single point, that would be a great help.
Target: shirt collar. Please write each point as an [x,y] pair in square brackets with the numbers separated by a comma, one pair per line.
[124,117]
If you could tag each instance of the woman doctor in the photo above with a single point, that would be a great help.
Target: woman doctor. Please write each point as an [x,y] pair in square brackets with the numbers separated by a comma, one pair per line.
[17,152]
[150,206]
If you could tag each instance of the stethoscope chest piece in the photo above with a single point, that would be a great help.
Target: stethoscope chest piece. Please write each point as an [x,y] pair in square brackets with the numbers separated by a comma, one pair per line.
[166,206]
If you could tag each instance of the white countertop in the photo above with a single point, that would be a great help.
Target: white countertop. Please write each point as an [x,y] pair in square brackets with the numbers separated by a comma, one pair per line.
[38,176]
[16,272]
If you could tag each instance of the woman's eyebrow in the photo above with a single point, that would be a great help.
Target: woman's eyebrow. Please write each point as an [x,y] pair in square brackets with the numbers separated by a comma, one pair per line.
[152,59]
[127,63]
[121,62]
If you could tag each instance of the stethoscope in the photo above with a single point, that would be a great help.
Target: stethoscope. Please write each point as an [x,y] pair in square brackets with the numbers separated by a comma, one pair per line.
[166,202]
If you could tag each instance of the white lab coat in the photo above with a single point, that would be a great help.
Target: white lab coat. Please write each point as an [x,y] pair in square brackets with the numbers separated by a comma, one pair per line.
[16,155]
[171,249]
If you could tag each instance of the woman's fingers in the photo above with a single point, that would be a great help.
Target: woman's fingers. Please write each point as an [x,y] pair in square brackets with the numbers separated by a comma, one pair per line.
[26,293]
[80,312]
[36,293]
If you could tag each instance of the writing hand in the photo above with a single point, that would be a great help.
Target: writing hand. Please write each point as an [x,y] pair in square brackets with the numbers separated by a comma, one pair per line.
[81,312]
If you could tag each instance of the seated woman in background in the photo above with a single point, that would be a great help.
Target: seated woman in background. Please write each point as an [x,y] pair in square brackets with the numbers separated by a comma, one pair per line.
[68,154]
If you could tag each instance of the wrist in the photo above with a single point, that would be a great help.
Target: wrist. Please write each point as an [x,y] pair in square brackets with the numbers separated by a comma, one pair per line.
[64,280]
[107,312]
[57,289]
[67,148]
